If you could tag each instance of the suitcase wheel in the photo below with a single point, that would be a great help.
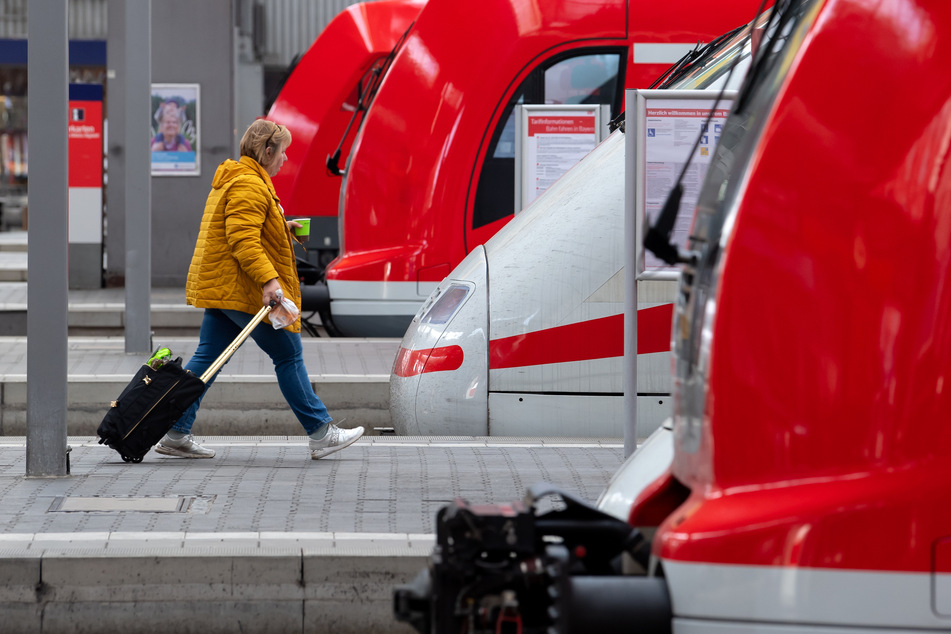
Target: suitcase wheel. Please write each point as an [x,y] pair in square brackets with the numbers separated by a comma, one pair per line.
[133,460]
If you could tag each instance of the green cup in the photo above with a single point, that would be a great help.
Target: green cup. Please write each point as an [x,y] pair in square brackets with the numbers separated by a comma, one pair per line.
[303,232]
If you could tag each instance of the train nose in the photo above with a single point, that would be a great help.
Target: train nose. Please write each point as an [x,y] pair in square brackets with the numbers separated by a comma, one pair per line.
[438,385]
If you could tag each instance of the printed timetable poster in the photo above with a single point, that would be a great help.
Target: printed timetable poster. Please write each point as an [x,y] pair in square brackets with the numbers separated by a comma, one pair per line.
[551,140]
[671,128]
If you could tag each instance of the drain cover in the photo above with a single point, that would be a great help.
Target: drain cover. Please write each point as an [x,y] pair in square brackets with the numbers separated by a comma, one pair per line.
[178,504]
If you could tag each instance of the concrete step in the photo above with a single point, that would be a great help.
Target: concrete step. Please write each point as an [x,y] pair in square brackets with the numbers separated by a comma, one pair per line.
[91,312]
[101,312]
[329,585]
[351,376]
[95,312]
[107,320]
[12,266]
[98,312]
[13,241]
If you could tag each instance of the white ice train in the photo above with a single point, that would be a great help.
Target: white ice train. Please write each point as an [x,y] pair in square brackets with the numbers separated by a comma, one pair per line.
[525,336]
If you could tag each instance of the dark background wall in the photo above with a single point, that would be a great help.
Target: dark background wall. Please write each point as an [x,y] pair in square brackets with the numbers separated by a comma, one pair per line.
[192,43]
[238,51]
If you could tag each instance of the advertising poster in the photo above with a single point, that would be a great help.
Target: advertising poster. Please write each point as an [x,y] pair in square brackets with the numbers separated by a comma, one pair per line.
[175,139]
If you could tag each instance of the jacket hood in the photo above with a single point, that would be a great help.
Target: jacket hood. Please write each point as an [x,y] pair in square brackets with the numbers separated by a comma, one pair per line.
[245,166]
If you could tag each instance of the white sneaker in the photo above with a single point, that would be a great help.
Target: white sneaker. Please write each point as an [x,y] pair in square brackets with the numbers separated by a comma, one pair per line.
[335,440]
[183,447]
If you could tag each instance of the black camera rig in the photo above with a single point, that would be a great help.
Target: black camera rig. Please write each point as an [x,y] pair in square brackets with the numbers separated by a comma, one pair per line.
[518,568]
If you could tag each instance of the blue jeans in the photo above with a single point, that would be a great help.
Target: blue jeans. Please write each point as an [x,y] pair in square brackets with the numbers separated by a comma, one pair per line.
[220,327]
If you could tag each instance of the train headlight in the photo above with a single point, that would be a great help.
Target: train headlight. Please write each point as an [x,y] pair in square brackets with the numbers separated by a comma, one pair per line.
[445,304]
[430,327]
[439,383]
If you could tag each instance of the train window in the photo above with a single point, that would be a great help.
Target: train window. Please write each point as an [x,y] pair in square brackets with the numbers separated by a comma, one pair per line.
[591,77]
[581,79]
[505,145]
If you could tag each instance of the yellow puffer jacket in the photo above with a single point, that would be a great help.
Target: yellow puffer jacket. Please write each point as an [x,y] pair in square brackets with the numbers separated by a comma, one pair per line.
[243,242]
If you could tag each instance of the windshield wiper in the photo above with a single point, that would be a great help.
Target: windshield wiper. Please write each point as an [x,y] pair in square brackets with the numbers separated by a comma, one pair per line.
[694,58]
[658,237]
[785,13]
[376,75]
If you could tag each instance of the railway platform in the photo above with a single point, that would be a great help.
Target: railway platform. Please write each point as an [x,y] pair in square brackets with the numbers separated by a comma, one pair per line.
[259,538]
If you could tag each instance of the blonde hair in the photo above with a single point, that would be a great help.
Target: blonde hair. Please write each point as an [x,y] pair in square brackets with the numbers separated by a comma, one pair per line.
[261,135]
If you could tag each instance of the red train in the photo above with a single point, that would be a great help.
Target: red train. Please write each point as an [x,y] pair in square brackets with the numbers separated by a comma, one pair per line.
[807,480]
[431,173]
[526,336]
[323,100]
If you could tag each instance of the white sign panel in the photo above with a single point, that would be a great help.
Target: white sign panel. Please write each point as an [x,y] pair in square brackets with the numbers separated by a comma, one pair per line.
[550,140]
[669,126]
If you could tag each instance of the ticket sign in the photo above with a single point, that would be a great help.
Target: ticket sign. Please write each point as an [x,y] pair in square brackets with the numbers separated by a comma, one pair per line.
[550,139]
[85,143]
[85,135]
[85,163]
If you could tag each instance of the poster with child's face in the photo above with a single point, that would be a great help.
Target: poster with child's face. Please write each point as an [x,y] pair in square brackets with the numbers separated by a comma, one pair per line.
[174,136]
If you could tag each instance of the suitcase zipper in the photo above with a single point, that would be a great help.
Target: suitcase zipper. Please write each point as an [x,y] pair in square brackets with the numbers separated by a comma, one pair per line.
[145,415]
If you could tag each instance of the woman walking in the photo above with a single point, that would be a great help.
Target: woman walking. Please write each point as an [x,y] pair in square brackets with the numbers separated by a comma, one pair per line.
[244,258]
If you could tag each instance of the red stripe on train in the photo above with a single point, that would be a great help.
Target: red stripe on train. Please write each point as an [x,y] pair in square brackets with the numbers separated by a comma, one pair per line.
[595,339]
[412,362]
[584,341]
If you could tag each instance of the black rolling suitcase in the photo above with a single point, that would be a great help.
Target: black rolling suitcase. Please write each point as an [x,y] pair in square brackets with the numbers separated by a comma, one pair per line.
[155,399]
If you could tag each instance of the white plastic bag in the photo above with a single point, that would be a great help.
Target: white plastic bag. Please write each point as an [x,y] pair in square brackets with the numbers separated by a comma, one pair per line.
[284,314]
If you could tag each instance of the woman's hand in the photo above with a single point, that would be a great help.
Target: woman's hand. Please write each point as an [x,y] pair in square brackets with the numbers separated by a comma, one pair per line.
[293,224]
[272,292]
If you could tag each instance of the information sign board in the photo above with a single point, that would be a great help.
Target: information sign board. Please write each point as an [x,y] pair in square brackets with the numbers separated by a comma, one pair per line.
[669,123]
[550,139]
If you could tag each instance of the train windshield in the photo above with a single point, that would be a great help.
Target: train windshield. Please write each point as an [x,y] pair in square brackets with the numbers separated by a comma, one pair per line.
[720,194]
[362,95]
[710,67]
[780,41]
[585,76]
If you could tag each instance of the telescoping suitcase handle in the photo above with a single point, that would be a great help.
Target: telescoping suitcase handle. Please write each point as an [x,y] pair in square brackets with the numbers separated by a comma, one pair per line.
[231,349]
